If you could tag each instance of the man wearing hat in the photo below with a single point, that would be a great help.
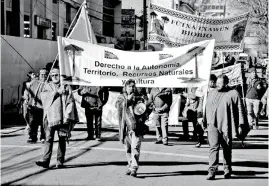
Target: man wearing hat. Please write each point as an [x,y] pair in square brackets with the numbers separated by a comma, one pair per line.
[34,107]
[59,113]
[253,98]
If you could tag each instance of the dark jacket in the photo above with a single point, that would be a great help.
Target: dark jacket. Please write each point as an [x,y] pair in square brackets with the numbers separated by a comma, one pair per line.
[94,97]
[161,99]
[128,120]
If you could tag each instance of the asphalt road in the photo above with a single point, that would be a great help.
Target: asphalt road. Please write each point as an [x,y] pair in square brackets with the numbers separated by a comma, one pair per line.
[104,162]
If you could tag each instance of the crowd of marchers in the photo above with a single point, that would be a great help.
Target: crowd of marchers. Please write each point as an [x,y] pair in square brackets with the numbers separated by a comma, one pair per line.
[217,108]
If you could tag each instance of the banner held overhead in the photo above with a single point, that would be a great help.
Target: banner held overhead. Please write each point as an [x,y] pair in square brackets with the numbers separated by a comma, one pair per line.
[174,67]
[173,28]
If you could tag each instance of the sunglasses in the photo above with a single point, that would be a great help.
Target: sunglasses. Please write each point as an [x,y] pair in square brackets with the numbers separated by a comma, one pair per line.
[54,75]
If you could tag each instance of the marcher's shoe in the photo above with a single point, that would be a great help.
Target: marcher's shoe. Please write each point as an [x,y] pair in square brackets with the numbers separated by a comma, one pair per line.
[89,138]
[198,145]
[128,172]
[133,173]
[98,139]
[211,174]
[227,175]
[42,140]
[59,166]
[31,141]
[165,143]
[158,142]
[42,164]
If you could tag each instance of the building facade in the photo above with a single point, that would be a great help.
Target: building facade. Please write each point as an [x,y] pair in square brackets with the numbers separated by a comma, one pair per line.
[213,8]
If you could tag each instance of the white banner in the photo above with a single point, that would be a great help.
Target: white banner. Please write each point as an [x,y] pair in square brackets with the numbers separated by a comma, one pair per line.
[92,65]
[110,114]
[174,28]
[233,72]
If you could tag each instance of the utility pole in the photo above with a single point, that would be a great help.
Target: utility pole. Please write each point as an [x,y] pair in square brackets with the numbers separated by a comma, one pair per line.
[145,26]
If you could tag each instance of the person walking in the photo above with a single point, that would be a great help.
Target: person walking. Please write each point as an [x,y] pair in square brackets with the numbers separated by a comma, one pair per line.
[202,93]
[131,106]
[161,100]
[59,113]
[93,100]
[35,108]
[225,119]
[253,98]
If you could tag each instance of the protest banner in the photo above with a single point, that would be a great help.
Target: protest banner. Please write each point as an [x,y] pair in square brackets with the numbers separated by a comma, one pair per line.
[87,64]
[233,72]
[173,28]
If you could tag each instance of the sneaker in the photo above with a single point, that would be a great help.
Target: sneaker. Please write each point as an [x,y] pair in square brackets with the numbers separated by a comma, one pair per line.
[59,166]
[165,143]
[198,145]
[128,172]
[227,174]
[133,173]
[211,174]
[98,139]
[158,142]
[256,127]
[42,140]
[31,141]
[89,138]
[42,164]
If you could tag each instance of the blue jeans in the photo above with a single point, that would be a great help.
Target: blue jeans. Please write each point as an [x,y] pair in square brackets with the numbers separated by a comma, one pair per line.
[216,139]
[161,123]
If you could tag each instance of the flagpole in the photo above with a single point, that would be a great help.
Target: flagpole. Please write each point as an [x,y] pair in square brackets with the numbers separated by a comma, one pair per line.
[84,2]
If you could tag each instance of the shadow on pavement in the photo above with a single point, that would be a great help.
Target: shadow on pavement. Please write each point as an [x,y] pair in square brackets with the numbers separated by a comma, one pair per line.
[245,174]
[26,164]
[238,145]
[251,164]
[11,135]
[142,163]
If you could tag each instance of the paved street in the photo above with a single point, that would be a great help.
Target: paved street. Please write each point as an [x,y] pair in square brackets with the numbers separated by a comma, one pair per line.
[104,163]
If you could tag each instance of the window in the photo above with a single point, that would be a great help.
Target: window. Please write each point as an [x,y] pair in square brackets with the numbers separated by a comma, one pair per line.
[68,13]
[177,7]
[40,32]
[217,7]
[213,7]
[2,18]
[53,31]
[65,31]
[27,29]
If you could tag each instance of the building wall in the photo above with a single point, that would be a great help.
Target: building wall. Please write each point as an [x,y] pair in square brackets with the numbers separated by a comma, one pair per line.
[117,19]
[96,10]
[14,69]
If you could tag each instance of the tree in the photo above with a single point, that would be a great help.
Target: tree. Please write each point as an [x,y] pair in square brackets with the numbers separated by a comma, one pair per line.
[258,17]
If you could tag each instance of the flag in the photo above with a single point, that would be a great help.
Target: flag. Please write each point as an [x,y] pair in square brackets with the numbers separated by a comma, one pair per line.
[82,30]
